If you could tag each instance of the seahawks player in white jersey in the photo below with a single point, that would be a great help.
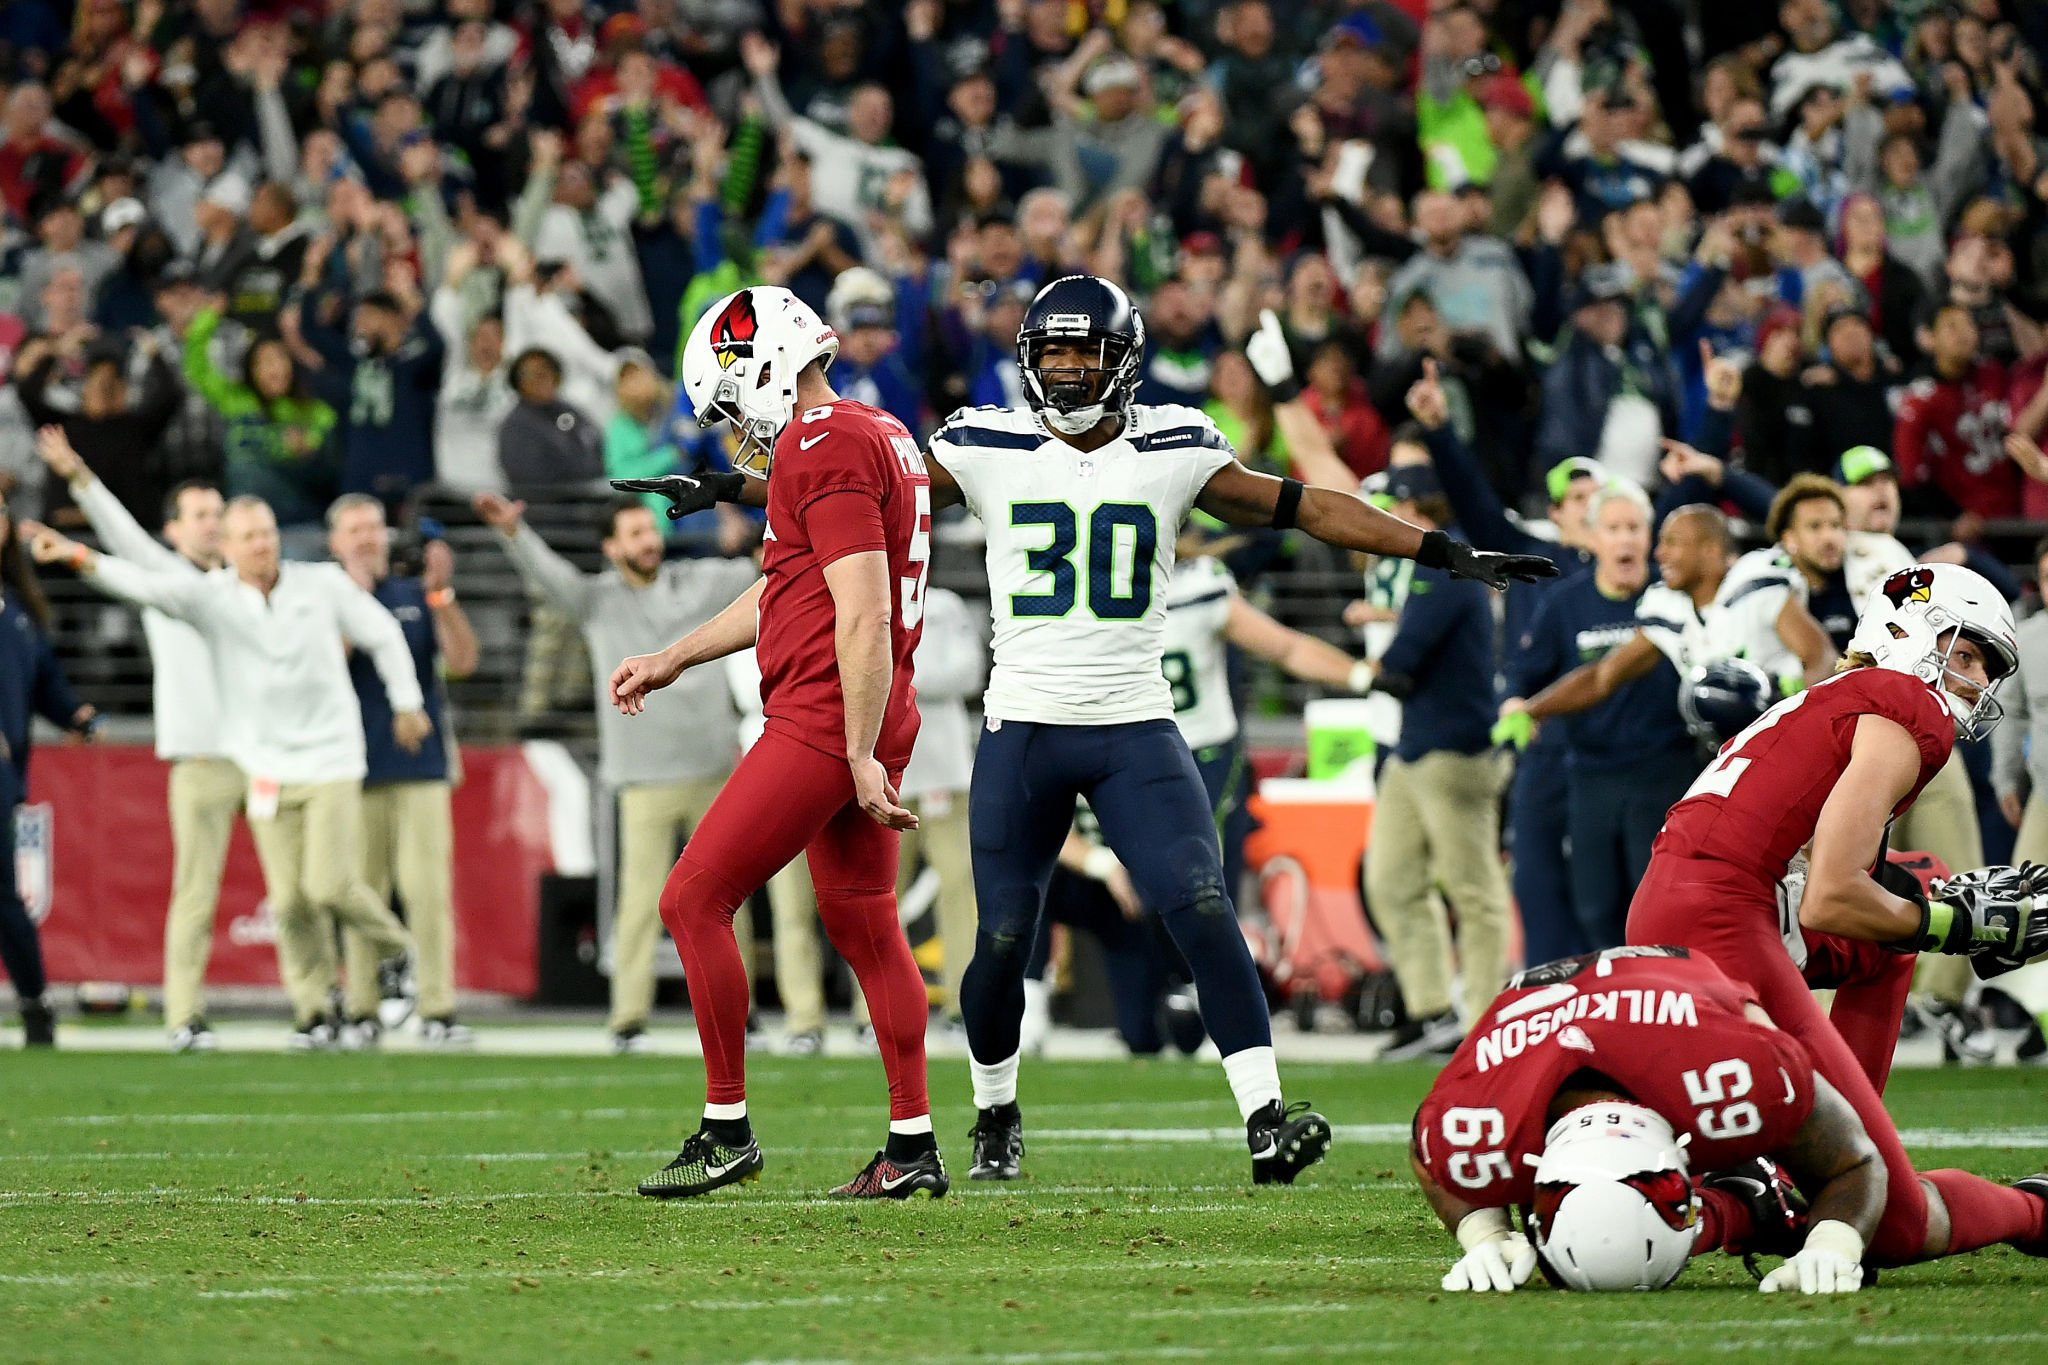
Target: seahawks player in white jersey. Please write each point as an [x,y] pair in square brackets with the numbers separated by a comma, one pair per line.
[1081,492]
[1706,609]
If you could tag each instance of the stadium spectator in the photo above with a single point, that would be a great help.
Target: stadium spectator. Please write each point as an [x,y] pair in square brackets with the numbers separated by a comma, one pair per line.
[114,425]
[1475,282]
[1630,757]
[543,442]
[1950,433]
[206,789]
[476,395]
[663,779]
[408,820]
[32,683]
[277,442]
[384,372]
[1436,821]
[280,630]
[1610,392]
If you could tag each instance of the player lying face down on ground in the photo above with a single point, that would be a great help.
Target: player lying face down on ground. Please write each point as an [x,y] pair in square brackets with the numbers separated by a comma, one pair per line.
[1639,1109]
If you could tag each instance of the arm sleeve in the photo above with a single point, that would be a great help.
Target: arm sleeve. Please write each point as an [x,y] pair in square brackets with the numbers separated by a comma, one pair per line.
[375,631]
[179,595]
[280,146]
[1479,512]
[215,387]
[2008,741]
[842,520]
[1435,607]
[1985,563]
[123,535]
[1534,664]
[548,574]
[54,699]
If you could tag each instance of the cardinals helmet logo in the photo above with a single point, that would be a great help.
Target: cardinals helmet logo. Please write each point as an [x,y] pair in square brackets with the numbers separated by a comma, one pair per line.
[732,336]
[1909,585]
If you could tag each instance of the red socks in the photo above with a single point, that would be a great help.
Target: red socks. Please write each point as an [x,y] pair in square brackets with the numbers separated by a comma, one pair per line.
[698,906]
[863,927]
[1983,1214]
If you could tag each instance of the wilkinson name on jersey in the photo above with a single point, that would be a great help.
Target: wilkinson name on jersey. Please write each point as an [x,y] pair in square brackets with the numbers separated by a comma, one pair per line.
[1511,1039]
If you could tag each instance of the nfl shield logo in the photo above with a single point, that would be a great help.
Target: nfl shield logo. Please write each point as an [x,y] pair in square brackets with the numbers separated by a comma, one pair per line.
[33,856]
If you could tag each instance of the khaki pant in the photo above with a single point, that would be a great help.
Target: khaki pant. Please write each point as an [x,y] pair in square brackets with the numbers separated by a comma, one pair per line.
[1437,825]
[654,819]
[1943,821]
[409,841]
[205,796]
[557,673]
[311,851]
[2029,985]
[941,836]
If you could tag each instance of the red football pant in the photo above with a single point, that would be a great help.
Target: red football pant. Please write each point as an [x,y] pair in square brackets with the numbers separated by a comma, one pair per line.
[787,798]
[1870,985]
[1736,927]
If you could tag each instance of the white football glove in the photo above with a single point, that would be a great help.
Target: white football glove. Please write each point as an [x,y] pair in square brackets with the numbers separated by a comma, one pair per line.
[1831,1262]
[1496,1259]
[1270,359]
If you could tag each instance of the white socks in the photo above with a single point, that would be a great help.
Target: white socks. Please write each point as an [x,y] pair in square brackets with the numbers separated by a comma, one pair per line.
[726,1112]
[1037,1021]
[910,1127]
[1254,1078]
[995,1083]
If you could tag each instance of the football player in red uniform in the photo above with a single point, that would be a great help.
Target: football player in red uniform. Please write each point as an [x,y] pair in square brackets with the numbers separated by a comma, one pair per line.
[1826,771]
[1587,1091]
[835,620]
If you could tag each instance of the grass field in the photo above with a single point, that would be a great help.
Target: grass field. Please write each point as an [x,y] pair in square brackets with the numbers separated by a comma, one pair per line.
[279,1208]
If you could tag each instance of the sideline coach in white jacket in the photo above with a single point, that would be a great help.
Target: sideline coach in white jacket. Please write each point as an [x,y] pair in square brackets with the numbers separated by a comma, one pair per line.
[290,720]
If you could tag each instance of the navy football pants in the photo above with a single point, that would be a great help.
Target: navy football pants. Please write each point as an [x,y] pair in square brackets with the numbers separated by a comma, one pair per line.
[1142,784]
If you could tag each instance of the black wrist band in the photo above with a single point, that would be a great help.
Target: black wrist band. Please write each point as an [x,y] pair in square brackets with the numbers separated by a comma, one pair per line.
[1287,504]
[1435,550]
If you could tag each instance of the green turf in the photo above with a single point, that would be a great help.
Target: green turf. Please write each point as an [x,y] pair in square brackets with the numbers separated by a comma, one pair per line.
[281,1208]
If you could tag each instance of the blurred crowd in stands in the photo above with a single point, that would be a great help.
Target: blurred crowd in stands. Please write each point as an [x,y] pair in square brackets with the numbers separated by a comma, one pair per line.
[443,248]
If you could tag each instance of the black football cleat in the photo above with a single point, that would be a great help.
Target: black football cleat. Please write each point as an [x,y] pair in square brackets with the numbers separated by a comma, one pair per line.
[705,1164]
[38,1023]
[1285,1142]
[887,1178]
[1777,1213]
[998,1143]
[2036,1185]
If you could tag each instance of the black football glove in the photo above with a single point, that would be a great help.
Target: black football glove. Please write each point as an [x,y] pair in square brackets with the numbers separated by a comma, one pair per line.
[1996,916]
[688,493]
[1439,551]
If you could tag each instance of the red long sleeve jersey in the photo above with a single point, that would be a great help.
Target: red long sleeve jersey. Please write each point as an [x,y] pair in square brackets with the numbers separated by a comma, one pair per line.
[847,478]
[1951,433]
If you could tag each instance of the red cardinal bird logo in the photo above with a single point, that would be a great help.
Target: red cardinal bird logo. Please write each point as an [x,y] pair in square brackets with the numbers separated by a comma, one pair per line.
[1909,585]
[732,336]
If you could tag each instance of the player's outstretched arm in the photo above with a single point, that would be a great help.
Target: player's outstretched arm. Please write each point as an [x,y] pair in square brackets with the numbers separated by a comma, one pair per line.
[1833,1153]
[1590,684]
[1497,1258]
[861,604]
[1243,498]
[1302,655]
[729,632]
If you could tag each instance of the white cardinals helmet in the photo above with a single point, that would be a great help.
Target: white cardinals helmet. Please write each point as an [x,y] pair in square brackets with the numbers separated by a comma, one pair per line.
[1614,1206]
[741,363]
[1903,623]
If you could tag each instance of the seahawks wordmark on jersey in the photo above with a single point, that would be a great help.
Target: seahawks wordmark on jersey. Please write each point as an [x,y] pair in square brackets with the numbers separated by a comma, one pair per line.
[1194,662]
[1080,550]
[1740,623]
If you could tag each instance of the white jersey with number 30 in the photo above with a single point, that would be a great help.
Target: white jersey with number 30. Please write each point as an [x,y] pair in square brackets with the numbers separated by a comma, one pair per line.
[1080,550]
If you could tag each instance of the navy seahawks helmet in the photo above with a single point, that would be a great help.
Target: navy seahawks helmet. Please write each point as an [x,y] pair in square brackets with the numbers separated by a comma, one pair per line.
[1722,699]
[1098,317]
